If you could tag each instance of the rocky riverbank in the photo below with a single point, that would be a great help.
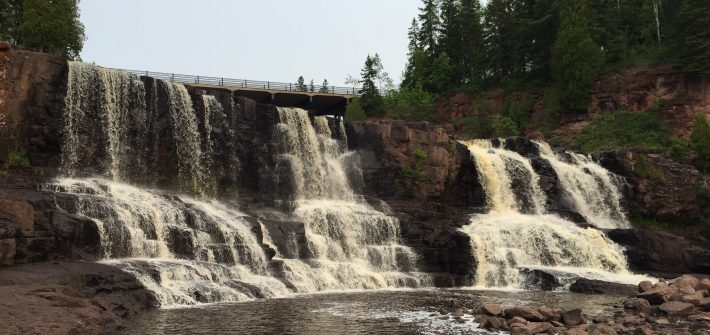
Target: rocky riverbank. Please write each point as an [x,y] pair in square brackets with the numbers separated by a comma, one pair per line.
[69,298]
[677,306]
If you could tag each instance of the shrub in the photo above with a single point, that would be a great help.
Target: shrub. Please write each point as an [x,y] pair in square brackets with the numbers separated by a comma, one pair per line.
[411,104]
[355,111]
[17,159]
[504,126]
[518,110]
[700,143]
[626,129]
[644,169]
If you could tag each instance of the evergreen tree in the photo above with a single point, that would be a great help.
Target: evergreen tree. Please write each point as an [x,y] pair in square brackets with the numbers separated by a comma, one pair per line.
[9,19]
[700,142]
[370,99]
[692,36]
[472,46]
[324,88]
[576,59]
[451,38]
[52,26]
[301,84]
[312,87]
[430,26]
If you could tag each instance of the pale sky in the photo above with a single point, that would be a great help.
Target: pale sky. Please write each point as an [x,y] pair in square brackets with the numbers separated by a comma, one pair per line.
[274,40]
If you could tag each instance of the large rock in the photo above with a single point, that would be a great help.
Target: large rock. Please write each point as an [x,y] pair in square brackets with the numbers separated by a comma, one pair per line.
[591,286]
[527,313]
[491,309]
[573,317]
[677,308]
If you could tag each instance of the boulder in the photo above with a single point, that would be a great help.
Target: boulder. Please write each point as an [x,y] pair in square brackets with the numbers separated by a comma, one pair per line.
[532,328]
[490,309]
[601,329]
[645,286]
[493,323]
[637,304]
[704,284]
[694,298]
[576,331]
[527,313]
[677,308]
[591,286]
[656,296]
[601,318]
[550,314]
[517,319]
[573,317]
[633,320]
[686,280]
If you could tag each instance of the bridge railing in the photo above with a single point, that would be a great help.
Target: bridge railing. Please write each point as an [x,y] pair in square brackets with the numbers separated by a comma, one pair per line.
[244,83]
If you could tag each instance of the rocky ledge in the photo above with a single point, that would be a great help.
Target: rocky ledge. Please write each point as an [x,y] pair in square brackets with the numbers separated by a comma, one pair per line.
[678,306]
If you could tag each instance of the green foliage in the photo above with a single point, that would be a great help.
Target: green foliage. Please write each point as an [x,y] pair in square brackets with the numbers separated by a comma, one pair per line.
[301,84]
[518,110]
[645,169]
[415,170]
[355,112]
[370,99]
[17,159]
[51,26]
[700,143]
[477,126]
[649,223]
[703,192]
[325,87]
[626,129]
[576,59]
[551,101]
[692,36]
[411,104]
[504,126]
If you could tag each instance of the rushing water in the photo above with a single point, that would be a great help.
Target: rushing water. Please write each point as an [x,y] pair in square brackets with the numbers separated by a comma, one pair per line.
[407,312]
[517,234]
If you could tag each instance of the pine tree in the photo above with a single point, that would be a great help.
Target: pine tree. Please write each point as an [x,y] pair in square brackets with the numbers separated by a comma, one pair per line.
[324,88]
[301,84]
[472,46]
[576,59]
[450,41]
[51,26]
[370,99]
[692,36]
[312,87]
[430,26]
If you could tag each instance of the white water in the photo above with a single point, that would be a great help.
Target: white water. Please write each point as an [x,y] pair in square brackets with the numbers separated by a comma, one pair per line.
[350,244]
[113,102]
[595,192]
[507,240]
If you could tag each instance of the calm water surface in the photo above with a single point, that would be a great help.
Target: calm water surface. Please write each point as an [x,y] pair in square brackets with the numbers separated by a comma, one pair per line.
[373,312]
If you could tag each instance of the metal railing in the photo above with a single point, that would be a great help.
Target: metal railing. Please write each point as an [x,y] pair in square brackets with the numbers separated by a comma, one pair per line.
[244,83]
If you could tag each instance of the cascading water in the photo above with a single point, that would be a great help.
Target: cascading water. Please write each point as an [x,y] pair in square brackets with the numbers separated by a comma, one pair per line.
[594,190]
[516,234]
[190,251]
[350,244]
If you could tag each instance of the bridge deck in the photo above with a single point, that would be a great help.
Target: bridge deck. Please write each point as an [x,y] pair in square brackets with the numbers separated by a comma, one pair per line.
[331,100]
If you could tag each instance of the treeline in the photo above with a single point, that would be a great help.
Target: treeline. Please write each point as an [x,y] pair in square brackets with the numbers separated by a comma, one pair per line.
[462,45]
[51,26]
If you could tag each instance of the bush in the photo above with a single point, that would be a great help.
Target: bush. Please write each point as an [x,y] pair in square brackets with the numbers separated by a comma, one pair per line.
[355,111]
[477,126]
[17,159]
[411,104]
[414,170]
[518,110]
[504,126]
[625,129]
[644,169]
[700,143]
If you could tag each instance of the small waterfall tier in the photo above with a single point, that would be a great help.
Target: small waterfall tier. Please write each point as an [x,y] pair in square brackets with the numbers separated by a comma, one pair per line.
[518,234]
[349,245]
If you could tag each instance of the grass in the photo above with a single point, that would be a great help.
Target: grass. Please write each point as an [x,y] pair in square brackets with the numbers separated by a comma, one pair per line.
[645,169]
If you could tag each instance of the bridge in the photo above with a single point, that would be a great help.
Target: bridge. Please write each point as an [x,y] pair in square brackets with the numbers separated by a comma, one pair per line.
[330,100]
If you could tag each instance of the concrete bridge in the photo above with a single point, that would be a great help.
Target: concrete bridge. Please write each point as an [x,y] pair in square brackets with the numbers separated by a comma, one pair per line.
[331,100]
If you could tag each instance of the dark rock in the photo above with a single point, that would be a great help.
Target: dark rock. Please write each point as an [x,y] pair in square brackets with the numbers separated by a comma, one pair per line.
[601,318]
[601,329]
[645,286]
[573,317]
[536,279]
[591,286]
[655,296]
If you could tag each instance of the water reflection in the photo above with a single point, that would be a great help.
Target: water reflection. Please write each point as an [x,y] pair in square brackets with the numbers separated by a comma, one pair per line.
[374,312]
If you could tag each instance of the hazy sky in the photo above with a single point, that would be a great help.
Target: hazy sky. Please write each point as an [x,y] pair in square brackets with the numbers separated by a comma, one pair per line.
[275,40]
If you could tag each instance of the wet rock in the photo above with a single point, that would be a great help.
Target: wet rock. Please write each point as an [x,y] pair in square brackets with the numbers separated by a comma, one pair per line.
[576,331]
[573,317]
[591,286]
[527,313]
[532,328]
[704,284]
[517,319]
[699,317]
[536,279]
[695,298]
[686,281]
[494,323]
[677,308]
[655,296]
[490,309]
[633,320]
[601,318]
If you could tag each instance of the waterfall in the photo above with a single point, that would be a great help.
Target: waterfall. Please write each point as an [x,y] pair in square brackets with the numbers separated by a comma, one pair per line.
[595,192]
[516,234]
[350,244]
[107,107]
